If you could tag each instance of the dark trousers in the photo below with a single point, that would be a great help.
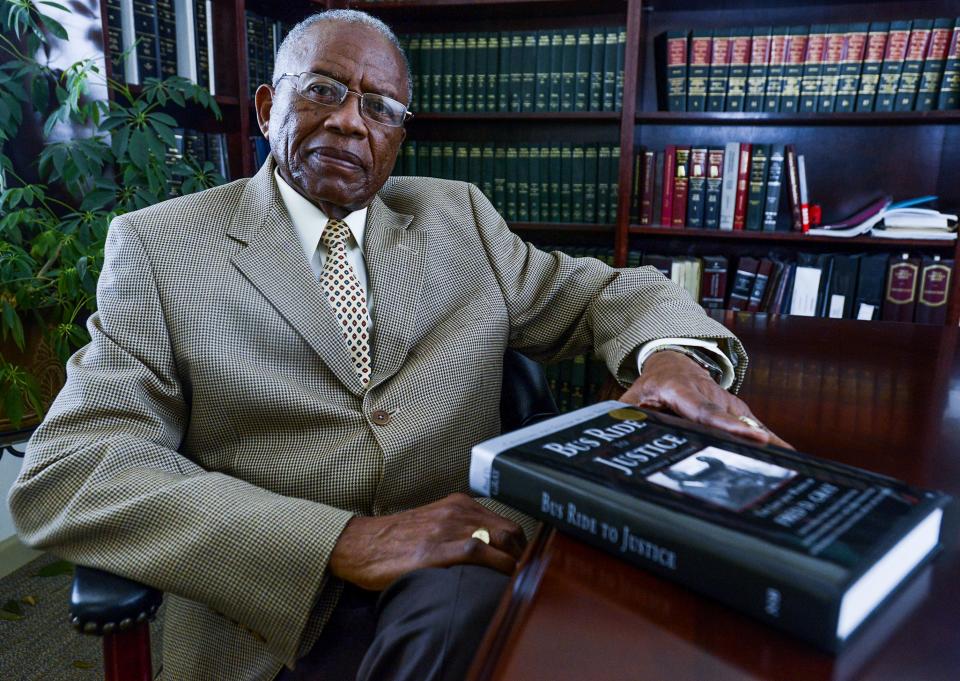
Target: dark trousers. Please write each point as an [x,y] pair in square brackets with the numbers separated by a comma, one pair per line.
[426,626]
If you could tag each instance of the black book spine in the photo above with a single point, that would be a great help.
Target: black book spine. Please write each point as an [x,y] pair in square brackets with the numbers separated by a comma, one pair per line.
[167,38]
[610,70]
[470,74]
[528,79]
[758,179]
[200,22]
[771,200]
[458,83]
[147,33]
[115,40]
[542,97]
[597,43]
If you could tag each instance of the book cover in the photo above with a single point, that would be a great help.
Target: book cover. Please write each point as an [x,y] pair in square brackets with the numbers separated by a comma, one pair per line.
[950,83]
[804,194]
[701,47]
[114,40]
[696,187]
[756,201]
[900,294]
[771,197]
[511,186]
[778,57]
[870,286]
[843,286]
[743,187]
[597,46]
[850,66]
[448,61]
[711,211]
[459,82]
[826,262]
[610,70]
[493,67]
[773,285]
[482,51]
[719,70]
[581,98]
[728,193]
[713,283]
[661,263]
[793,186]
[743,283]
[603,183]
[590,175]
[830,70]
[523,185]
[757,75]
[576,184]
[657,217]
[566,183]
[648,169]
[913,65]
[614,181]
[681,180]
[669,172]
[935,276]
[872,63]
[812,66]
[933,65]
[793,67]
[620,65]
[146,30]
[739,69]
[806,285]
[553,167]
[760,283]
[804,544]
[167,38]
[893,60]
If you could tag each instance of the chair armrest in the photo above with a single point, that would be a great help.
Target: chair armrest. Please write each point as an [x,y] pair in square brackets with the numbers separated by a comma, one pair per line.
[103,603]
[525,396]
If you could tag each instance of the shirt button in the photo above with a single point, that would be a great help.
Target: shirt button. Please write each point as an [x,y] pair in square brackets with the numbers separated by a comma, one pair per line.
[381,417]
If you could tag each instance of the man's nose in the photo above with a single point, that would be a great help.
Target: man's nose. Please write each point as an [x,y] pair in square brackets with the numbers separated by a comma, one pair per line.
[346,118]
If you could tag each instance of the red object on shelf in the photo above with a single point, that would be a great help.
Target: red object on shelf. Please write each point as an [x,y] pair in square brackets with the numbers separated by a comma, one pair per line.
[816,215]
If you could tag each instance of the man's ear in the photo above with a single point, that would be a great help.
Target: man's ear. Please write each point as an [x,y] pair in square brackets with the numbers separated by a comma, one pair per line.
[263,103]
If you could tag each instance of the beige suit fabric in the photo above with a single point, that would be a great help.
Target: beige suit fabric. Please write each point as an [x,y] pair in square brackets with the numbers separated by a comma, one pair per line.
[213,438]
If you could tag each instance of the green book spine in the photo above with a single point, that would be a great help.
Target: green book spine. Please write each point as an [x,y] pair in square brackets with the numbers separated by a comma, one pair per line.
[555,171]
[771,198]
[449,69]
[474,164]
[447,171]
[568,71]
[699,71]
[543,71]
[409,158]
[500,179]
[566,183]
[148,48]
[793,68]
[488,171]
[597,45]
[757,78]
[603,183]
[613,173]
[778,57]
[436,82]
[470,74]
[893,58]
[872,63]
[545,183]
[756,202]
[114,40]
[590,183]
[529,79]
[494,67]
[950,85]
[535,183]
[458,80]
[830,71]
[436,159]
[577,184]
[415,58]
[516,71]
[913,65]
[563,399]
[621,64]
[460,158]
[711,210]
[739,70]
[503,80]
[511,184]
[581,97]
[934,64]
[523,183]
[719,70]
[423,159]
[480,93]
[697,187]
[556,71]
[812,68]
[851,65]
[167,38]
[609,69]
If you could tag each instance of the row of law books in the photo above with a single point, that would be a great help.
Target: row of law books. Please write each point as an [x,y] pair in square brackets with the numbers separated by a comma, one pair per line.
[161,38]
[735,187]
[202,147]
[527,183]
[264,36]
[877,66]
[548,70]
[900,287]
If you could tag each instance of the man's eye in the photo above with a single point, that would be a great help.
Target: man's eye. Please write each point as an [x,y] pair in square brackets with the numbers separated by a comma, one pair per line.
[378,106]
[321,90]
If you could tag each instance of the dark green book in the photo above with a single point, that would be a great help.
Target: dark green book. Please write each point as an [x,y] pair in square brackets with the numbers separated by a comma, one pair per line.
[545,183]
[500,179]
[933,65]
[812,67]
[200,24]
[566,183]
[447,167]
[913,65]
[412,49]
[528,83]
[470,74]
[855,48]
[409,165]
[771,195]
[785,537]
[701,42]
[830,71]
[719,70]
[739,69]
[460,158]
[797,39]
[436,159]
[148,47]
[614,173]
[609,69]
[590,183]
[578,381]
[556,70]
[597,45]
[474,164]
[603,183]
[897,41]
[577,197]
[423,158]
[517,53]
[458,82]
[523,183]
[568,71]
[512,179]
[506,57]
[778,57]
[711,210]
[167,38]
[535,184]
[757,78]
[436,78]
[697,187]
[449,71]
[488,170]
[872,63]
[581,95]
[759,160]
[555,172]
[114,40]
[950,84]
[494,67]
[542,97]
[621,65]
[480,95]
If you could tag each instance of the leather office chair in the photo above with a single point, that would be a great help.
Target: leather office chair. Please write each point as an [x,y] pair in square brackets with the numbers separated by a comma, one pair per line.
[120,610]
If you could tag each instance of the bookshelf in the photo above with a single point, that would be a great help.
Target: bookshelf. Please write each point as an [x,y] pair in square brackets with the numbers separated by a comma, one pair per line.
[850,156]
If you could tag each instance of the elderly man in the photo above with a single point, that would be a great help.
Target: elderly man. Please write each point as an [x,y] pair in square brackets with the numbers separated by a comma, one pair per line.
[272,422]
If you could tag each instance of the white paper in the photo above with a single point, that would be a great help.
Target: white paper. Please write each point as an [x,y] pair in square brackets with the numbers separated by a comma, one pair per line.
[836,306]
[805,287]
[865,311]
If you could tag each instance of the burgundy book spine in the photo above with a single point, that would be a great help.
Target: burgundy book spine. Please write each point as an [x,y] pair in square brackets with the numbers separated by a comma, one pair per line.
[669,170]
[900,297]
[743,187]
[681,182]
[713,282]
[760,283]
[793,186]
[934,292]
[646,198]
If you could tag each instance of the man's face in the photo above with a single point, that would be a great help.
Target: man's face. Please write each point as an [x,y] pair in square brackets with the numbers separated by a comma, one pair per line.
[332,155]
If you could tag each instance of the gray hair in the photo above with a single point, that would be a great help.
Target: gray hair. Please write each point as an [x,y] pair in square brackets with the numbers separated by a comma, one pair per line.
[285,53]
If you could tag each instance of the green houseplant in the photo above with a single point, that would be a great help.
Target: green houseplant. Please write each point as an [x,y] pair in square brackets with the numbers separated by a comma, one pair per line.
[124,154]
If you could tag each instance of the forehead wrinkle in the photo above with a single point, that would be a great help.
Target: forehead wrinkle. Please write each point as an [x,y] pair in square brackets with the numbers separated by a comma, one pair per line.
[347,71]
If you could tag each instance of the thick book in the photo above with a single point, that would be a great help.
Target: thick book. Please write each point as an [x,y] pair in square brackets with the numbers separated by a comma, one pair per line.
[872,63]
[114,46]
[830,71]
[147,31]
[669,170]
[792,180]
[900,294]
[870,285]
[778,57]
[897,40]
[808,545]
[166,38]
[648,168]
[793,67]
[743,187]
[698,78]
[739,69]
[696,187]
[760,283]
[713,282]
[771,197]
[743,283]
[935,276]
[757,75]
[950,83]
[913,65]
[681,181]
[812,66]
[933,65]
[661,263]
[711,211]
[843,283]
[728,192]
[581,97]
[851,64]
[597,47]
[806,285]
[719,70]
[759,160]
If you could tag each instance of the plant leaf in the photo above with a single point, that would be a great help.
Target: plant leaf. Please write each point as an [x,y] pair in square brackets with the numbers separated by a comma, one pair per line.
[60,567]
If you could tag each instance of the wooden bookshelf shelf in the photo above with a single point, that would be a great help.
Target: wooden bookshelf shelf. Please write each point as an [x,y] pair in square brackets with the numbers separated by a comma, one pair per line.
[791,238]
[577,116]
[563,227]
[823,119]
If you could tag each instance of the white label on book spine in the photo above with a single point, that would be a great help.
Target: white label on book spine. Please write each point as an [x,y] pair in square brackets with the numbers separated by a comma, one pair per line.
[805,287]
[865,311]
[836,306]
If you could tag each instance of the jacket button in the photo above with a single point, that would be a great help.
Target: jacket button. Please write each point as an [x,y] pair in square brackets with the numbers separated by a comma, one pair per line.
[380,417]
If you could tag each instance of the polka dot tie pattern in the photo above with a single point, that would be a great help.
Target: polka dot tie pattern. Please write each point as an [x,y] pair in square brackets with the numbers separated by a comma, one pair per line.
[346,296]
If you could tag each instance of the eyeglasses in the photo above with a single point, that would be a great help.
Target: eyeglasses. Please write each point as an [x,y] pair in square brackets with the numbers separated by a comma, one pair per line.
[329,92]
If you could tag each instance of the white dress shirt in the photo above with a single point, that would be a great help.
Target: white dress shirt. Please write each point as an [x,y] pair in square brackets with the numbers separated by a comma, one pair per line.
[309,221]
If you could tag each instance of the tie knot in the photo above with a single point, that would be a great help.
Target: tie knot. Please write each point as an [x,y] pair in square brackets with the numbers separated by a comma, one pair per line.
[335,232]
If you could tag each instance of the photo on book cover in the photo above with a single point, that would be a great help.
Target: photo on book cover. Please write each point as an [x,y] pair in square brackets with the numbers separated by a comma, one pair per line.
[731,481]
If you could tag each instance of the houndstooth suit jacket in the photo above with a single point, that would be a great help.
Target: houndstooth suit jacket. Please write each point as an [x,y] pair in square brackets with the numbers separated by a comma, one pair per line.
[213,439]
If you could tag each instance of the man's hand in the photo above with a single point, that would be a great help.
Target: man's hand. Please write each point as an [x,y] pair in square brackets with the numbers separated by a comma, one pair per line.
[372,552]
[673,381]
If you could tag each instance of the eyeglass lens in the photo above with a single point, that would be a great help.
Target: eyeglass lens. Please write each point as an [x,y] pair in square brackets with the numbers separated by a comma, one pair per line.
[330,92]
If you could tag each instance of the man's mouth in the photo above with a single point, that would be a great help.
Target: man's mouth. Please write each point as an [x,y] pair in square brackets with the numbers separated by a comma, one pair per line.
[339,157]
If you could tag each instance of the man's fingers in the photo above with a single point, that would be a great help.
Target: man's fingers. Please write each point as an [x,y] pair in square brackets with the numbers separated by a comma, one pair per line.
[475,552]
[715,416]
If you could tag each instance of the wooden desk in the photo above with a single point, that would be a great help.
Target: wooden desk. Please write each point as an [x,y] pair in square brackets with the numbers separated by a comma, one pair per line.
[881,396]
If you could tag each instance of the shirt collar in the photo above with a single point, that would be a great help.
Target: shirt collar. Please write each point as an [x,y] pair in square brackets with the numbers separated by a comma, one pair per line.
[308,220]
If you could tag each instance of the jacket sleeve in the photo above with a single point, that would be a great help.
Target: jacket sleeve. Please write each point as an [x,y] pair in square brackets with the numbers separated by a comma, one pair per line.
[561,306]
[103,484]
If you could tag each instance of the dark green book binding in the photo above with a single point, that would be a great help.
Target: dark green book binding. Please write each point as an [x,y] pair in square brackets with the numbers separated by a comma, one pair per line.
[893,59]
[757,75]
[577,197]
[771,197]
[494,68]
[166,38]
[673,48]
[797,39]
[719,70]
[148,47]
[778,57]
[597,44]
[483,69]
[609,70]
[872,63]
[470,74]
[500,179]
[507,64]
[619,70]
[566,183]
[830,71]
[553,166]
[590,183]
[913,65]
[604,152]
[711,211]
[523,183]
[568,71]
[759,159]
[950,84]
[448,72]
[739,69]
[701,41]
[512,178]
[812,68]
[934,64]
[533,175]
[114,41]
[697,187]
[851,66]
[458,81]
[581,92]
[542,93]
[556,70]
[528,81]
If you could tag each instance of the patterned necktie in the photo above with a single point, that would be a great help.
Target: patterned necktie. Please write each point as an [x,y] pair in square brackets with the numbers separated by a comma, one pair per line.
[346,296]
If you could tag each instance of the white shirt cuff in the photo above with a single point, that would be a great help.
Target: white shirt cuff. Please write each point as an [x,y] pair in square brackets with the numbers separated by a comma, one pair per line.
[712,347]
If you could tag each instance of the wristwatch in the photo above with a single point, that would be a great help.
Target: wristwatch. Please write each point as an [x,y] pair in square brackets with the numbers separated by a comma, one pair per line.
[702,359]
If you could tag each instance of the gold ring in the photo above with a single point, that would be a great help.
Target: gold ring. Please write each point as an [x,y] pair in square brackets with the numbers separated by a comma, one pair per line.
[482,533]
[752,422]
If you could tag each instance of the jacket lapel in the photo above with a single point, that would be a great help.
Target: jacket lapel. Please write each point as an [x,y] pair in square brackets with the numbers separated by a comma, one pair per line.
[273,262]
[396,255]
